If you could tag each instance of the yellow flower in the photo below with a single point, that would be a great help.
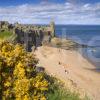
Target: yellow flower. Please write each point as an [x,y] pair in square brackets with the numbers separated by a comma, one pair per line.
[17,74]
[43,98]
[7,84]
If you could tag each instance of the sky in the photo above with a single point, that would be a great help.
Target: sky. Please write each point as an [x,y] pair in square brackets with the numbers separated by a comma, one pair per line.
[44,11]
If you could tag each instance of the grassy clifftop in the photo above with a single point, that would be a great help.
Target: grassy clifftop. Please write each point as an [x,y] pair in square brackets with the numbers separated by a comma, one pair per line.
[5,35]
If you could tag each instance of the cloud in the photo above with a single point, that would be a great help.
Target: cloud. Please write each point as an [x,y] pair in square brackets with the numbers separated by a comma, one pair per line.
[66,13]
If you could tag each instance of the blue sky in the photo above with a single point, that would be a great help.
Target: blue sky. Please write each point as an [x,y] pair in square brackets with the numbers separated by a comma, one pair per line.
[19,2]
[43,11]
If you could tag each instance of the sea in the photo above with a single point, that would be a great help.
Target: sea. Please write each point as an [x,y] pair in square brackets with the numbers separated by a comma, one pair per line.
[83,34]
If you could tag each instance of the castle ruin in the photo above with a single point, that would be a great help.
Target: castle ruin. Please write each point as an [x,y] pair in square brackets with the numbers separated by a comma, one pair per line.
[30,35]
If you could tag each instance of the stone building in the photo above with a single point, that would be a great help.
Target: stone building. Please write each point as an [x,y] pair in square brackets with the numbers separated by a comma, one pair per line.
[4,25]
[30,35]
[34,35]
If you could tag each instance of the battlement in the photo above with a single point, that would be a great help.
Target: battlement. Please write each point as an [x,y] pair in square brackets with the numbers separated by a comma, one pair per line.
[30,35]
[34,35]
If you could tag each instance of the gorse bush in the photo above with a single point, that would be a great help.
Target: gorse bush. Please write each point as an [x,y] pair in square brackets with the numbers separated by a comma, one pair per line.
[18,77]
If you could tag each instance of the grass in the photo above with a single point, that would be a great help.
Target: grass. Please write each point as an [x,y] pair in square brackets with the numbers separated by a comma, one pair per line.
[57,91]
[60,94]
[5,35]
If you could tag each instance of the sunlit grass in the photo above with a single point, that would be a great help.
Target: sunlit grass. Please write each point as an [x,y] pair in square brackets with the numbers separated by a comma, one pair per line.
[5,34]
[58,91]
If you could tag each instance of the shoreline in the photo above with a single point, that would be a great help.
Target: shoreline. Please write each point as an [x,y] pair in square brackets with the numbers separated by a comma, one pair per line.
[75,46]
[76,66]
[96,64]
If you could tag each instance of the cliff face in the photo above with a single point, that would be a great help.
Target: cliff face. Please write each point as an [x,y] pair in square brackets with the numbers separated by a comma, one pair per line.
[30,35]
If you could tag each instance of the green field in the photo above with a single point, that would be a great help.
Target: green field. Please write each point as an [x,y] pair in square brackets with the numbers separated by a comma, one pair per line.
[5,35]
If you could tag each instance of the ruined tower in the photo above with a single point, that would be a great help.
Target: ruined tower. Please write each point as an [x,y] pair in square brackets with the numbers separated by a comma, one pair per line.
[52,26]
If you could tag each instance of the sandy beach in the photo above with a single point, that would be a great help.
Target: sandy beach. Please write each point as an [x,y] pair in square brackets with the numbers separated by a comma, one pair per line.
[70,67]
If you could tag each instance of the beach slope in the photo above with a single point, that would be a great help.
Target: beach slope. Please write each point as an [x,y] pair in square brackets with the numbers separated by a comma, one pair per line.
[70,67]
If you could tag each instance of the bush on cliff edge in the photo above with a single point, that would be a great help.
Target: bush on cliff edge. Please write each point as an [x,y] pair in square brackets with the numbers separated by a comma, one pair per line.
[19,79]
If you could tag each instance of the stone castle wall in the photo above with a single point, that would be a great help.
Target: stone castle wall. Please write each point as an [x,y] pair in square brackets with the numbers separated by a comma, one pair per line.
[30,35]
